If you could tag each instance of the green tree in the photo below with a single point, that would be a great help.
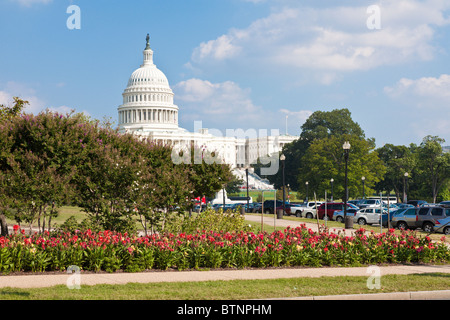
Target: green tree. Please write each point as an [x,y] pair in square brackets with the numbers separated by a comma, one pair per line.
[434,164]
[398,160]
[324,160]
[320,125]
[234,185]
[7,114]
[207,174]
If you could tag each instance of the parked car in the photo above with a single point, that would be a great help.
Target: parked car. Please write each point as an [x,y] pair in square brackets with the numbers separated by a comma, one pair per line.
[238,206]
[310,213]
[442,226]
[257,207]
[339,215]
[445,204]
[268,206]
[331,208]
[416,203]
[250,208]
[404,205]
[427,217]
[369,203]
[369,215]
[391,215]
[355,202]
[311,204]
[297,209]
[306,209]
[405,218]
[423,217]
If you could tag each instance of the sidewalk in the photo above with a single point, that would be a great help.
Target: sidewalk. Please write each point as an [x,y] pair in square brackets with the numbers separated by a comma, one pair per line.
[49,280]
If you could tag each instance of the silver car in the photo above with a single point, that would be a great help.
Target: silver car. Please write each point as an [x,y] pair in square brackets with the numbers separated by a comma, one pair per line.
[405,219]
[442,226]
[424,217]
[369,215]
[339,215]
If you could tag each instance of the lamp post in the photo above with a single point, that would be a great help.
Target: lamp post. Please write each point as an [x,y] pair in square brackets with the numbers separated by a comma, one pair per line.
[363,182]
[405,188]
[307,185]
[248,199]
[348,220]
[332,181]
[289,193]
[282,159]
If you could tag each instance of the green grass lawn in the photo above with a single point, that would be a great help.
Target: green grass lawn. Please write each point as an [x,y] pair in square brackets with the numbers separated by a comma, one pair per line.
[64,213]
[234,289]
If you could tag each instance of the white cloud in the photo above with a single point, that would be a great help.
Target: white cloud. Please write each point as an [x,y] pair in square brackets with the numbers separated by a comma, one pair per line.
[331,39]
[14,89]
[36,104]
[226,105]
[299,116]
[427,91]
[225,98]
[219,49]
[425,104]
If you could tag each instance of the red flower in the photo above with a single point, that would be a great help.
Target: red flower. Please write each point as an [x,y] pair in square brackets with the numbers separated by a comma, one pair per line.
[16,227]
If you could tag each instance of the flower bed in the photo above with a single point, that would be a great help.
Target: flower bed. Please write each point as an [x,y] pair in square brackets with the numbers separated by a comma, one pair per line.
[111,251]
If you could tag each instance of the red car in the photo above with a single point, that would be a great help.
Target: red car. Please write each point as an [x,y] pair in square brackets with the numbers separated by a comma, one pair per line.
[331,208]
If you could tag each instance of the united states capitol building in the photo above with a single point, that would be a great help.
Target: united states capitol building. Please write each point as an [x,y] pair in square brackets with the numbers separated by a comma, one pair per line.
[148,110]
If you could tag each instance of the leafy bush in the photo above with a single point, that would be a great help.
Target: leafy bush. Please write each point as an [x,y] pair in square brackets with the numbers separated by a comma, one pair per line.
[209,220]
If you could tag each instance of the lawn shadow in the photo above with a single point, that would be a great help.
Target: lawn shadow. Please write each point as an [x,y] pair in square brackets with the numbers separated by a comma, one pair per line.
[4,293]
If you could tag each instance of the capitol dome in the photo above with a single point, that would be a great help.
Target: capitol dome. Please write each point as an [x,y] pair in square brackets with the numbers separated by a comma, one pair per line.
[148,99]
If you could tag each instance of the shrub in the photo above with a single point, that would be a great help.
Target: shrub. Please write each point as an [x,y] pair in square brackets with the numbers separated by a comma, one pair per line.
[210,220]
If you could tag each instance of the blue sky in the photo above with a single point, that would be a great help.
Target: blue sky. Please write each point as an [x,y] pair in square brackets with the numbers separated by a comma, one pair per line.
[240,63]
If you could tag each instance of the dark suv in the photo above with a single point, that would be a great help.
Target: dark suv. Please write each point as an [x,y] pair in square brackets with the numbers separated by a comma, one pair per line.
[331,208]
[423,217]
[268,206]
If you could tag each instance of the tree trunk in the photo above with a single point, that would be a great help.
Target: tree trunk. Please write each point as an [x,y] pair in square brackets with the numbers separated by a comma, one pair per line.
[3,226]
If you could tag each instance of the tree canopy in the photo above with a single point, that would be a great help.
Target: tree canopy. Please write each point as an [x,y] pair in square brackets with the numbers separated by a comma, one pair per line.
[50,159]
[317,157]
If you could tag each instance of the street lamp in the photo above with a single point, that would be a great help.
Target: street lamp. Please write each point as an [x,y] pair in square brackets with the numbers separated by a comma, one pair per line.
[332,181]
[363,182]
[282,159]
[405,188]
[348,220]
[289,193]
[307,185]
[248,199]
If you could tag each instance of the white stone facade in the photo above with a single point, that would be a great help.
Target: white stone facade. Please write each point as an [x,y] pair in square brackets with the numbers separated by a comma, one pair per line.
[148,110]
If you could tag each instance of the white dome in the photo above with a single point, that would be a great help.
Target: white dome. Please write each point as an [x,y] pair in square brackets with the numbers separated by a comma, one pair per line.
[148,76]
[148,99]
